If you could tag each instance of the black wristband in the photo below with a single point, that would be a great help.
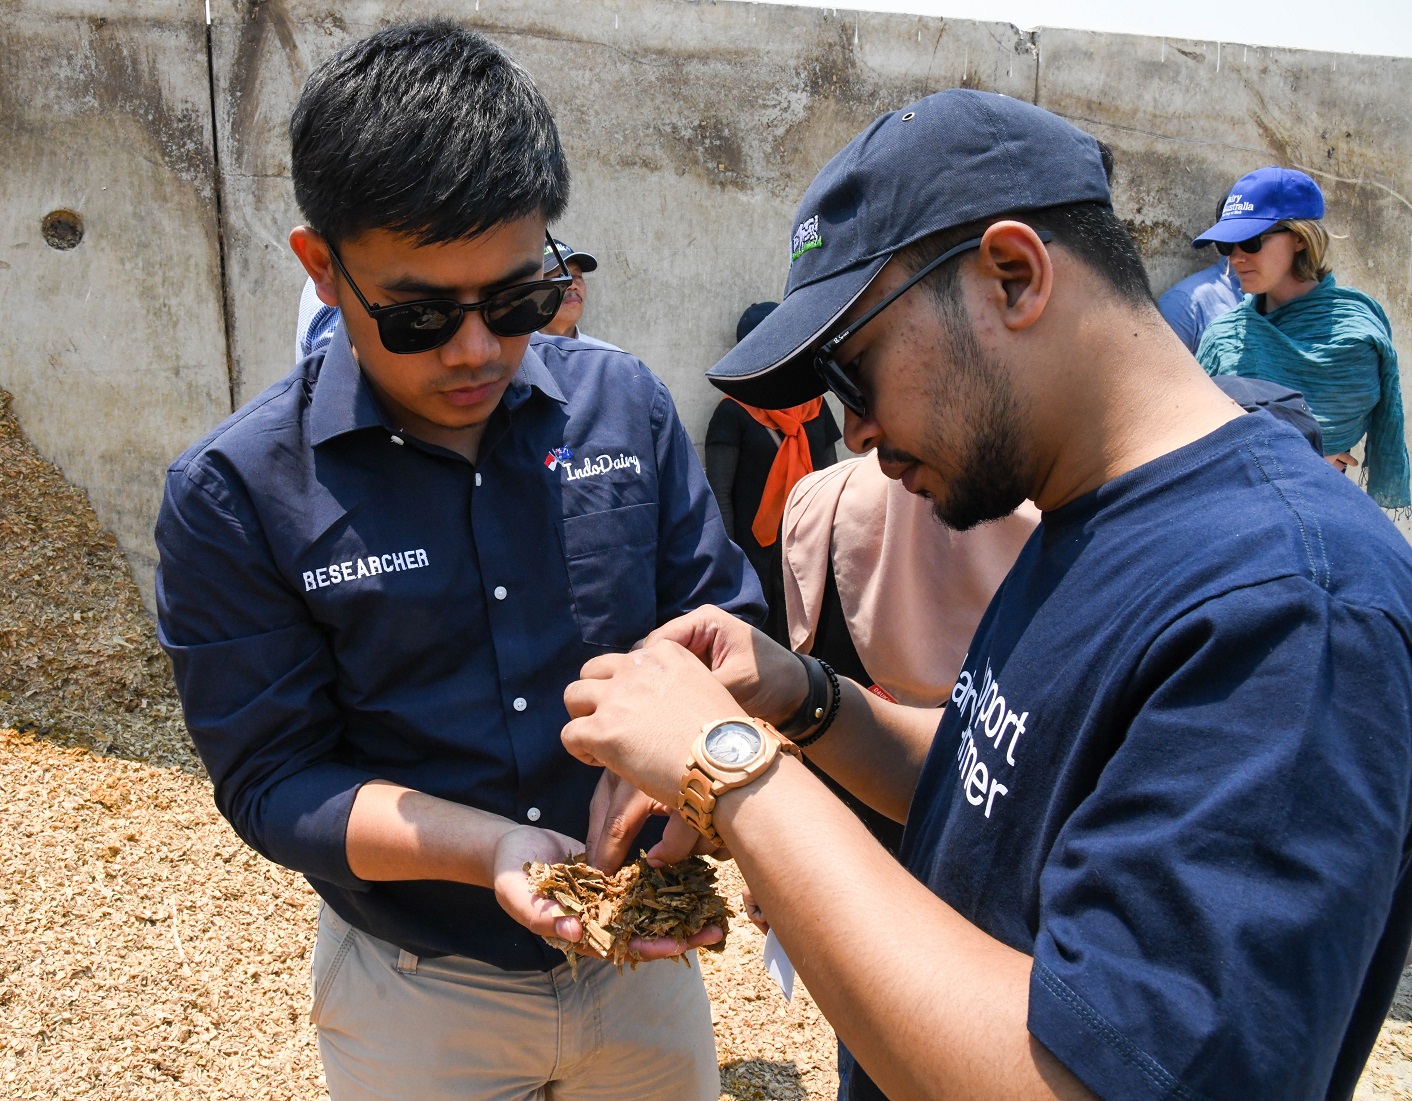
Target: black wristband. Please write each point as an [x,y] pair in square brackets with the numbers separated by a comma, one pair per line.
[832,713]
[816,700]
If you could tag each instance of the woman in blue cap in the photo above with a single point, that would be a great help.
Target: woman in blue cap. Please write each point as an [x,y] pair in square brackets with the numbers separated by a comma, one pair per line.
[1299,328]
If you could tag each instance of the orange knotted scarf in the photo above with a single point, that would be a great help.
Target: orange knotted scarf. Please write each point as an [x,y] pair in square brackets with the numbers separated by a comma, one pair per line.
[792,462]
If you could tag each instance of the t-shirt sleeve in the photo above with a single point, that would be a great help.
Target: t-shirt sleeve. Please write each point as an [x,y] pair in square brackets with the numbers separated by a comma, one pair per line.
[1208,914]
[255,676]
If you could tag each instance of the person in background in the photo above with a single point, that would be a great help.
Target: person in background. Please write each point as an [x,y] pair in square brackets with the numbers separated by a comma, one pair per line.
[885,595]
[1300,329]
[566,321]
[754,457]
[317,320]
[1189,306]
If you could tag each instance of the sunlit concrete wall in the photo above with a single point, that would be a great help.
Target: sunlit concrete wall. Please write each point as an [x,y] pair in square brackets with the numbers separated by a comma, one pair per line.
[692,130]
[115,348]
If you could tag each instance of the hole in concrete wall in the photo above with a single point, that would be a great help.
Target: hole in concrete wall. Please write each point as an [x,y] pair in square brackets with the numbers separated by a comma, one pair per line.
[62,229]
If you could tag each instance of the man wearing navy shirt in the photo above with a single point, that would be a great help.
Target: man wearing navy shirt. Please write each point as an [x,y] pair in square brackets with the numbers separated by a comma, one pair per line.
[1157,847]
[378,576]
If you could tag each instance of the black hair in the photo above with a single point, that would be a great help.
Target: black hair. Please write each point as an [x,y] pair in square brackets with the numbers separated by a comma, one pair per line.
[428,130]
[1090,231]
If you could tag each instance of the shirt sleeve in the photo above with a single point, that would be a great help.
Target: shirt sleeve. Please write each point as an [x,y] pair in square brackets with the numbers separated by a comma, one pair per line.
[1179,312]
[1209,913]
[721,463]
[255,675]
[696,563]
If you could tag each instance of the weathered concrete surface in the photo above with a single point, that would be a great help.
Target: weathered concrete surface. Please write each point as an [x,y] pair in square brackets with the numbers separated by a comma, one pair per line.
[1187,119]
[115,349]
[692,130]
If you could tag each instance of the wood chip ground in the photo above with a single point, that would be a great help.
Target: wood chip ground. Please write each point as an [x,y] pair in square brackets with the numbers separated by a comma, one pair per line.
[146,952]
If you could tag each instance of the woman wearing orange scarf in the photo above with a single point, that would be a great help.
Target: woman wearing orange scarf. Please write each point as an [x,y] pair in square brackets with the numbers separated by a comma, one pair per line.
[754,457]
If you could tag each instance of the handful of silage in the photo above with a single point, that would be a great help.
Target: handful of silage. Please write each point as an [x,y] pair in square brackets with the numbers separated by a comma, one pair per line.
[677,901]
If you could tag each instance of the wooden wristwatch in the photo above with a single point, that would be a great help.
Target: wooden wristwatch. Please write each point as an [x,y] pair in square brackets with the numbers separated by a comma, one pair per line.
[728,753]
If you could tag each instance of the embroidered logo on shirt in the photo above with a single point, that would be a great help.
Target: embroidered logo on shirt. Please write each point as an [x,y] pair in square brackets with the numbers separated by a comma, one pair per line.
[556,456]
[601,464]
[371,566]
[806,236]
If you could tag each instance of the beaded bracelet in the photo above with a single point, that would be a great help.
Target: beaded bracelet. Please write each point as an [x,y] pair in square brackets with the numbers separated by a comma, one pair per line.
[837,698]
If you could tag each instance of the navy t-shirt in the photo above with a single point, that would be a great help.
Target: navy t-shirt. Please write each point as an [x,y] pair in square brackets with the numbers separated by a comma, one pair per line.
[1176,768]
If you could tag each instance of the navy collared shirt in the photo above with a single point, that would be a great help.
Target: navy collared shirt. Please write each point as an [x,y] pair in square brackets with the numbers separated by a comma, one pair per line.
[342,602]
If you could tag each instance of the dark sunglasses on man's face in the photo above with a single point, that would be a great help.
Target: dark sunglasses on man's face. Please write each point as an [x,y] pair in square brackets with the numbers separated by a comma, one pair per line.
[837,378]
[1250,245]
[410,327]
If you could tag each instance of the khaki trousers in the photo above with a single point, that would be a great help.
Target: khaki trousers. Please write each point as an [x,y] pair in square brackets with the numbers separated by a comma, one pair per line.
[392,1025]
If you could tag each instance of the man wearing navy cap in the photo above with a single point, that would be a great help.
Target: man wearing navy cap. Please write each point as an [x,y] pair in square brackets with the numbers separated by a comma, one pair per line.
[1157,846]
[566,321]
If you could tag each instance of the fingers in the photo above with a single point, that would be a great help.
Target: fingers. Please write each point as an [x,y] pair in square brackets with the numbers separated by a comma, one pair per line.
[696,631]
[678,842]
[660,948]
[753,911]
[616,816]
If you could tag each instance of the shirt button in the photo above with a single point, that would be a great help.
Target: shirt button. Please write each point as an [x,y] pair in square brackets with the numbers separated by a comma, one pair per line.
[520,703]
[477,479]
[500,593]
[532,814]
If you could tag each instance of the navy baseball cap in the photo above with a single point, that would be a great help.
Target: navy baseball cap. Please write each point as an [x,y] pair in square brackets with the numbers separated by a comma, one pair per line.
[584,260]
[1262,200]
[955,157]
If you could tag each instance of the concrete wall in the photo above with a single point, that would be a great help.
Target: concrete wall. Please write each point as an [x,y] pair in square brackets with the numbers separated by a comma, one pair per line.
[114,349]
[692,130]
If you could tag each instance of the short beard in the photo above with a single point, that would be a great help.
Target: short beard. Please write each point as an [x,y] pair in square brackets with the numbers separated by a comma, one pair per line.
[989,483]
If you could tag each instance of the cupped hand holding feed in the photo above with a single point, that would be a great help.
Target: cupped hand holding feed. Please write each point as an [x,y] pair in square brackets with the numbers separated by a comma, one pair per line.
[766,680]
[638,713]
[517,898]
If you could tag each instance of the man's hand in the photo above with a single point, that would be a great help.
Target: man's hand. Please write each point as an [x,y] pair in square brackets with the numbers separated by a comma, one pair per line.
[545,916]
[517,898]
[766,680]
[638,713]
[615,817]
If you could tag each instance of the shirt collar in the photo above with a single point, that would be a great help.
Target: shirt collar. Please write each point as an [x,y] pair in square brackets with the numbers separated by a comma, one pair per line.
[343,401]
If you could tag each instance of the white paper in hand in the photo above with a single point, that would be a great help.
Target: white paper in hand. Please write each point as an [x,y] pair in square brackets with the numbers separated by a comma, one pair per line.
[778,967]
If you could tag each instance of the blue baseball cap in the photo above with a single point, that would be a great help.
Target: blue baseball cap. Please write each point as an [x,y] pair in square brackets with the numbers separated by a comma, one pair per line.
[584,260]
[952,158]
[1262,200]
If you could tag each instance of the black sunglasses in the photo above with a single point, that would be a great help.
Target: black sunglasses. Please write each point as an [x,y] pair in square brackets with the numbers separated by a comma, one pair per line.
[835,377]
[1250,245]
[410,327]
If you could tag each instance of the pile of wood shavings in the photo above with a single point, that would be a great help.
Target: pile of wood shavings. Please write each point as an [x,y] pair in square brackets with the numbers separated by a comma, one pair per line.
[79,661]
[677,901]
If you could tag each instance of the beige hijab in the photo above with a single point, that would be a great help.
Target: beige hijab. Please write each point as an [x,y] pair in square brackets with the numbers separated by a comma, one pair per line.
[912,590]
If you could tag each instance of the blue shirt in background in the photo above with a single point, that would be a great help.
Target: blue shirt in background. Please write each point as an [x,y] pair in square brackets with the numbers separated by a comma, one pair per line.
[1176,768]
[1199,299]
[342,602]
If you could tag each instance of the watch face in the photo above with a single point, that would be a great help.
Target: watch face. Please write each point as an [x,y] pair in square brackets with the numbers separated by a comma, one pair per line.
[734,744]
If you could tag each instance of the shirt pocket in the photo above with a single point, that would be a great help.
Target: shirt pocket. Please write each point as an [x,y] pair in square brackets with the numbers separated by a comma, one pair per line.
[611,558]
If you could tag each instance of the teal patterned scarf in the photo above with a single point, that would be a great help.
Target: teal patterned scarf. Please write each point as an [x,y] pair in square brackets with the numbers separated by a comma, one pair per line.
[1333,345]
